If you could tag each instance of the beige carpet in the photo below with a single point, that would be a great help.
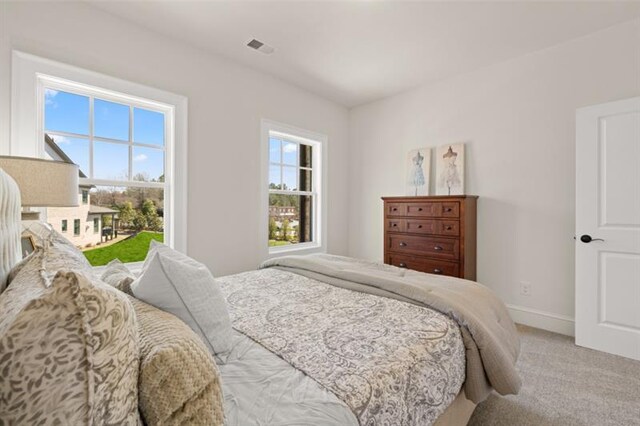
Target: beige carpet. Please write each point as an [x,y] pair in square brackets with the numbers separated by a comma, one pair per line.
[566,385]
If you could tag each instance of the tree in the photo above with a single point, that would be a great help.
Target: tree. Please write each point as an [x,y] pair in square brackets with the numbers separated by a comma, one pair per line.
[127,214]
[154,223]
[150,212]
[273,228]
[285,229]
[148,208]
[139,221]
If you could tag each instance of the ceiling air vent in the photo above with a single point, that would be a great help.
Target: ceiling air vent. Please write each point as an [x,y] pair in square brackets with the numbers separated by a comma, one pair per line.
[260,46]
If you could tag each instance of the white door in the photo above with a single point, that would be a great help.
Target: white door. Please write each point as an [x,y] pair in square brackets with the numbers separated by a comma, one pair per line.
[608,227]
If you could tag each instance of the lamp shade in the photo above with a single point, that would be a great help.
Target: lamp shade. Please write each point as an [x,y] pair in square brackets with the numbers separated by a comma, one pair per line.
[43,183]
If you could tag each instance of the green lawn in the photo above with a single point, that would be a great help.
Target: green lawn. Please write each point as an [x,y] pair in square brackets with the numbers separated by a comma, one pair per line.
[129,250]
[278,243]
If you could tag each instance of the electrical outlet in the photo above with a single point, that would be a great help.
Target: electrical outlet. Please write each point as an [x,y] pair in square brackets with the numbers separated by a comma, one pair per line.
[525,288]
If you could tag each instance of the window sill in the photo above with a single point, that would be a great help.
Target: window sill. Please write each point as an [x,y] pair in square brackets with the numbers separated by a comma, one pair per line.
[304,248]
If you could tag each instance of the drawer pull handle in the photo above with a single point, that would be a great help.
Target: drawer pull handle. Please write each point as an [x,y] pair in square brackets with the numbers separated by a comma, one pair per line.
[448,228]
[402,265]
[437,271]
[394,225]
[448,209]
[437,248]
[395,209]
[403,244]
[419,209]
[419,226]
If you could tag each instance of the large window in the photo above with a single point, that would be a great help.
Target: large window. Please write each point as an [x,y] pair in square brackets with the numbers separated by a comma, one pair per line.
[294,189]
[130,142]
[119,143]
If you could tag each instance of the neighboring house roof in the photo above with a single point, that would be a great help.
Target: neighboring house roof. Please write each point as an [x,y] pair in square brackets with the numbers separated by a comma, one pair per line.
[101,210]
[53,146]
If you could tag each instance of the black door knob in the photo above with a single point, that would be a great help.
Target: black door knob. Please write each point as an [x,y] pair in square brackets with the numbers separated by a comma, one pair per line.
[587,238]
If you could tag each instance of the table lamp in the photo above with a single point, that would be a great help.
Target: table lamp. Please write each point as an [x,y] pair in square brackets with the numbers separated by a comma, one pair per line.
[30,182]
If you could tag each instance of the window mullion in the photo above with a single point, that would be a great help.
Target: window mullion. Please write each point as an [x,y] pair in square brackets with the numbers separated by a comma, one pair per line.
[280,192]
[131,142]
[114,141]
[281,164]
[91,98]
[122,184]
[297,166]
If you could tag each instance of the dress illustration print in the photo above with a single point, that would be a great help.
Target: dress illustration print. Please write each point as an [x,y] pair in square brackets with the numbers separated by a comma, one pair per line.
[450,176]
[417,175]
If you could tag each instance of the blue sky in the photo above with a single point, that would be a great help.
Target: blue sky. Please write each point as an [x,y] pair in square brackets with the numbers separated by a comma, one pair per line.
[67,112]
[285,154]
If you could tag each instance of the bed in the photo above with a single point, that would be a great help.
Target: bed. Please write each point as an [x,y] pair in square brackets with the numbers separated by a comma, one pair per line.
[304,340]
[328,340]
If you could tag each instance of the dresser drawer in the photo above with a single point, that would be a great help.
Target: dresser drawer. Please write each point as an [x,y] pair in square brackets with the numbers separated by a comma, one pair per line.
[450,209]
[433,209]
[421,226]
[423,209]
[395,225]
[396,209]
[449,228]
[444,248]
[428,227]
[429,266]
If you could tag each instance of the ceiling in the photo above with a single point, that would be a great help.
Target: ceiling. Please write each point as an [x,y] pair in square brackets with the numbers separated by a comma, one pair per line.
[354,52]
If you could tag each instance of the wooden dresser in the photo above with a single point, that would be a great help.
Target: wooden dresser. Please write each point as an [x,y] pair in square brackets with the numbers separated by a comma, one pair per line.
[434,234]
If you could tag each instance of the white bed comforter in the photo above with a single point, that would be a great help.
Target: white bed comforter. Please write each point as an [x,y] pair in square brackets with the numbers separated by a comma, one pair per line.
[262,389]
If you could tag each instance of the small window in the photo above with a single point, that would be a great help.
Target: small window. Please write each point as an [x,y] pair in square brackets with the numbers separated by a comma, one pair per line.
[64,225]
[293,190]
[76,227]
[96,225]
[85,196]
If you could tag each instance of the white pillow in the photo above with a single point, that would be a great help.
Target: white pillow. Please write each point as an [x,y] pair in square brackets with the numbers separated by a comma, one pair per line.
[176,283]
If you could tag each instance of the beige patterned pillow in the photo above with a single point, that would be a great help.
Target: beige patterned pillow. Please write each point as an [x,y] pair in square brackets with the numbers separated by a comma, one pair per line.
[60,253]
[43,235]
[69,349]
[117,275]
[179,380]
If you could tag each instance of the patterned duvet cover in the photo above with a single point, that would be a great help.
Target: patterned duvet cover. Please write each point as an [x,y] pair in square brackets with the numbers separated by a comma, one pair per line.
[390,362]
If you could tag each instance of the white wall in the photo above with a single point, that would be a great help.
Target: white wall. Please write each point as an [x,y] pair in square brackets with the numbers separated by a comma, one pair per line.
[518,120]
[226,104]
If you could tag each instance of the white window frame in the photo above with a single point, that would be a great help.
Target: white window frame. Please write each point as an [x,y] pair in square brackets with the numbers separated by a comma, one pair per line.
[319,177]
[31,74]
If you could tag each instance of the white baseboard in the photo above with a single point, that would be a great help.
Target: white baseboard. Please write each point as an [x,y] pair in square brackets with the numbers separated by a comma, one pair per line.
[545,320]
